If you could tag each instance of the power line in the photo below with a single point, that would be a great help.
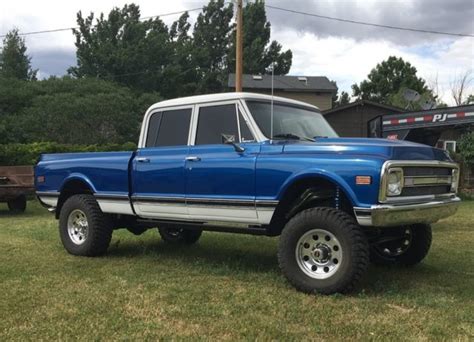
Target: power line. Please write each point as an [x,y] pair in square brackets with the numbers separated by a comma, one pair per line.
[369,24]
[71,28]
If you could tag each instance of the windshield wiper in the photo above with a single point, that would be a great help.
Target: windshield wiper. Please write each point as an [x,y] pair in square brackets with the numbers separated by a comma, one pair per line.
[292,136]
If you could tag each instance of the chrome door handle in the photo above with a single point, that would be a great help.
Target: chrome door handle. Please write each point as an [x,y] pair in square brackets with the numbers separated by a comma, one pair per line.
[143,160]
[193,159]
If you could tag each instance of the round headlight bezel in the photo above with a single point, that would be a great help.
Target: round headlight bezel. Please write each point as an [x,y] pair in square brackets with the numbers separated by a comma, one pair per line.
[395,182]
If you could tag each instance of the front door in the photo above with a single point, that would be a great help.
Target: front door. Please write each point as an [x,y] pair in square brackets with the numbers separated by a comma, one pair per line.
[158,182]
[220,182]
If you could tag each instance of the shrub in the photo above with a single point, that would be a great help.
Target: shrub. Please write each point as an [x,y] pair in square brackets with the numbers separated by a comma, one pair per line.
[466,147]
[28,154]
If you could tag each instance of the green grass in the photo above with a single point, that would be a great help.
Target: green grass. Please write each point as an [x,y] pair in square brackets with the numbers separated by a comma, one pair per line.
[225,287]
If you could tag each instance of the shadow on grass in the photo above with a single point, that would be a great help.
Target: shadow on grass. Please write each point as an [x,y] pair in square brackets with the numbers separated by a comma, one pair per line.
[8,213]
[230,254]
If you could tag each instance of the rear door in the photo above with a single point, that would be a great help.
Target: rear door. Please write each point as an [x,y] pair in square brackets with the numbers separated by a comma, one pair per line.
[220,182]
[158,179]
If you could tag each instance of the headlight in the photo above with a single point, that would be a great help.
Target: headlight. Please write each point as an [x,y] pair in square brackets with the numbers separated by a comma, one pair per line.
[394,182]
[455,180]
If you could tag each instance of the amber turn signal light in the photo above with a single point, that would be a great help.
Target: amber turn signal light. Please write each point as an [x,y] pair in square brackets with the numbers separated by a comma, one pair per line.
[363,180]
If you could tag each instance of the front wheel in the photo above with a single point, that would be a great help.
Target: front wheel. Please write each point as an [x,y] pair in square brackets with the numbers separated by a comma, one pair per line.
[179,235]
[404,246]
[323,250]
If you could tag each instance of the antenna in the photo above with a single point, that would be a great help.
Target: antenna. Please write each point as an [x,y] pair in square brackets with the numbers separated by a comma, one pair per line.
[271,105]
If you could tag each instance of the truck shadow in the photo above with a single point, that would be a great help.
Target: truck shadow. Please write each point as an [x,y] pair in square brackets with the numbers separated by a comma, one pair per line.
[228,258]
[204,254]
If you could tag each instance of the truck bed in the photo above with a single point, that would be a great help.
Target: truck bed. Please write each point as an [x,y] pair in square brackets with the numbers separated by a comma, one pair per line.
[106,173]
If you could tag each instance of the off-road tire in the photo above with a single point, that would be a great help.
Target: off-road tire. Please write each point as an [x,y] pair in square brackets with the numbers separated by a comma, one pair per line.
[178,235]
[17,205]
[99,226]
[419,247]
[354,248]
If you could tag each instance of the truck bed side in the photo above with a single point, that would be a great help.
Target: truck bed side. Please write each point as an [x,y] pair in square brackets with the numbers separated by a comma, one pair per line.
[104,174]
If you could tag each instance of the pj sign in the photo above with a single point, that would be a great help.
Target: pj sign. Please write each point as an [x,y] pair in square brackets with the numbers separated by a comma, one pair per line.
[439,117]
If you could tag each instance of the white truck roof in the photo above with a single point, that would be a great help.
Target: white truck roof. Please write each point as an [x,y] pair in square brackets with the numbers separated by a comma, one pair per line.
[182,101]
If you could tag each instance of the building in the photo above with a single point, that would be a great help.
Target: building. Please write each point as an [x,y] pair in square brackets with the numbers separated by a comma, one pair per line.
[315,90]
[351,120]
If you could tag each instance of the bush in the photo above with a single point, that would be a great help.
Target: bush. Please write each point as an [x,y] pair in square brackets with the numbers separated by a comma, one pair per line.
[28,154]
[466,148]
[70,111]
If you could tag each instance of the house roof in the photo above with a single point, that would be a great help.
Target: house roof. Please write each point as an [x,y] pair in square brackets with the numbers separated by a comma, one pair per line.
[363,103]
[284,82]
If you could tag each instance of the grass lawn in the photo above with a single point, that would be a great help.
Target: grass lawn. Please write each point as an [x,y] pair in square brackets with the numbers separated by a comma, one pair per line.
[225,287]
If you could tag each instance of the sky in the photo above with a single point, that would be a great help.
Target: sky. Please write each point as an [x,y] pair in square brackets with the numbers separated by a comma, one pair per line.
[341,51]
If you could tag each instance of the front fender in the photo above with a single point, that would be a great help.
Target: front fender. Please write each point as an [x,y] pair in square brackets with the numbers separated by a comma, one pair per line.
[322,174]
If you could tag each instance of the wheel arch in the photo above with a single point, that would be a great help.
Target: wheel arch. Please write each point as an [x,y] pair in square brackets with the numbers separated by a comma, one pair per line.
[75,184]
[312,189]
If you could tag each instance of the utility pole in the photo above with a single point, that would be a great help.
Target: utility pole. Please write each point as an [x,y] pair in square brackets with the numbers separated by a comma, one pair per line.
[238,52]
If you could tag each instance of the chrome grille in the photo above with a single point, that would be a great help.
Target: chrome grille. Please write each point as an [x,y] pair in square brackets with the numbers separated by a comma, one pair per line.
[422,180]
[426,190]
[426,171]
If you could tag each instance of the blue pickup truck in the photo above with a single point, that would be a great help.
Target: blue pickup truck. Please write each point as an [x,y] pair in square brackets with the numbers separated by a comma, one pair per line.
[256,164]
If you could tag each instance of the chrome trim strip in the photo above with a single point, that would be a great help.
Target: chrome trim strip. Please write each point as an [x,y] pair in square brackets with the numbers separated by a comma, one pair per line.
[105,196]
[385,215]
[153,199]
[195,201]
[266,203]
[419,181]
[48,193]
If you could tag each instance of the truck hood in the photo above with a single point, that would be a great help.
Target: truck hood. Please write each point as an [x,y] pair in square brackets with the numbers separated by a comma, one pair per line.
[383,148]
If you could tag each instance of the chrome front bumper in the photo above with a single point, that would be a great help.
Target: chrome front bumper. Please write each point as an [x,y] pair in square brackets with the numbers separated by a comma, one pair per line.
[387,215]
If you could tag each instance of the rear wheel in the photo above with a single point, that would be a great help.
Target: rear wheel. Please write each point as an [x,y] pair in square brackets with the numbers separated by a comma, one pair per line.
[405,246]
[17,205]
[323,250]
[83,227]
[179,235]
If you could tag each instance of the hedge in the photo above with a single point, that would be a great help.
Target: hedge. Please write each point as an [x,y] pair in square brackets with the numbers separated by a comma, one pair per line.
[28,154]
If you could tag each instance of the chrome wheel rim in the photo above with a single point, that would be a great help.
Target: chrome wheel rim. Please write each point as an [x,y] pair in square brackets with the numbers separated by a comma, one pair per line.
[319,253]
[77,227]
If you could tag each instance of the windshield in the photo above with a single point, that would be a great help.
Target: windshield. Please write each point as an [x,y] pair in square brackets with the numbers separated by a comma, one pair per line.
[290,122]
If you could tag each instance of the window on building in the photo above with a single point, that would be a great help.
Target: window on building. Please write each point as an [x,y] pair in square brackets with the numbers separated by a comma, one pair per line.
[450,145]
[169,128]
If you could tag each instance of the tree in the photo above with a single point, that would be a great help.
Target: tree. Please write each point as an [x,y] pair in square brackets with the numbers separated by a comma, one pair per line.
[258,52]
[72,111]
[182,69]
[466,147]
[123,48]
[459,85]
[469,100]
[211,45]
[344,99]
[385,82]
[341,100]
[14,62]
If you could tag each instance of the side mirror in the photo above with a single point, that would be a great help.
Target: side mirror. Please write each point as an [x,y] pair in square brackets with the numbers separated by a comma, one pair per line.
[229,139]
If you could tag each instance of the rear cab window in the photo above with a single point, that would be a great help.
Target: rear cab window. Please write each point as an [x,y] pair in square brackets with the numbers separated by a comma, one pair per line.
[169,128]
